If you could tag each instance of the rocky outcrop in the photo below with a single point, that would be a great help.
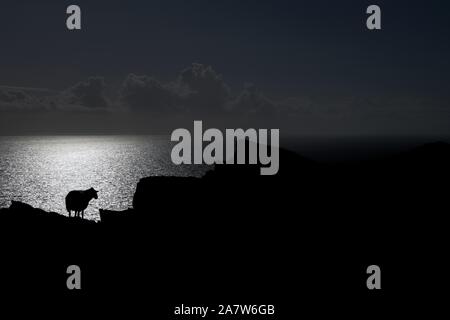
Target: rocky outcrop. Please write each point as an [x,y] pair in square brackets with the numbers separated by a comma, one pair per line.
[115,217]
[151,191]
[22,213]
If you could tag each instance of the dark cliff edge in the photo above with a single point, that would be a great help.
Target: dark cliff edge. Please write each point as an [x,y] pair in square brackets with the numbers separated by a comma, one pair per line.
[20,212]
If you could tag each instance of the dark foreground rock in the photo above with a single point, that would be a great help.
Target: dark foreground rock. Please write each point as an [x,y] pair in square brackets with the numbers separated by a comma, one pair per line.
[22,213]
[234,233]
[112,217]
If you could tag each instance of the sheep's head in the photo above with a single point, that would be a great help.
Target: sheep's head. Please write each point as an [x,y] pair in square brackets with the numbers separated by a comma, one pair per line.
[94,193]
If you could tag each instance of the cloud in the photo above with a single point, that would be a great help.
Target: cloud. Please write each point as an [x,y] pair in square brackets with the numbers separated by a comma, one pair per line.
[83,96]
[251,101]
[86,94]
[199,91]
[141,92]
[205,87]
[196,88]
[20,99]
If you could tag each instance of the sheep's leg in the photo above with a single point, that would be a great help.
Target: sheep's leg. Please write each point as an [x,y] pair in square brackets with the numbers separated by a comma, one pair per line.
[68,212]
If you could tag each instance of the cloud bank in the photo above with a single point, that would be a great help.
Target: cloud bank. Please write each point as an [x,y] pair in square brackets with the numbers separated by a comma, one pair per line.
[200,92]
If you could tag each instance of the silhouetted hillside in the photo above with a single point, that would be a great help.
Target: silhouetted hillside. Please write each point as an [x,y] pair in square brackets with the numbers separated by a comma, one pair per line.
[431,156]
[21,213]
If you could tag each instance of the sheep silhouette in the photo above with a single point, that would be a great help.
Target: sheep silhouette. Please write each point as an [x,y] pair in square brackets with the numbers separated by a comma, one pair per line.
[78,200]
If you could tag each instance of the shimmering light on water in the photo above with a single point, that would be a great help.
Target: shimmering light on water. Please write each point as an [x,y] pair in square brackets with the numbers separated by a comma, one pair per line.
[42,170]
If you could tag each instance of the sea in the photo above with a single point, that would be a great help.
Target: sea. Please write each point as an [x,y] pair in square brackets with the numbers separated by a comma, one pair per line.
[41,170]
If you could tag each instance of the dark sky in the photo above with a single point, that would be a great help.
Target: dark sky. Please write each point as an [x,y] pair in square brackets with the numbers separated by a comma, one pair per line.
[303,66]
